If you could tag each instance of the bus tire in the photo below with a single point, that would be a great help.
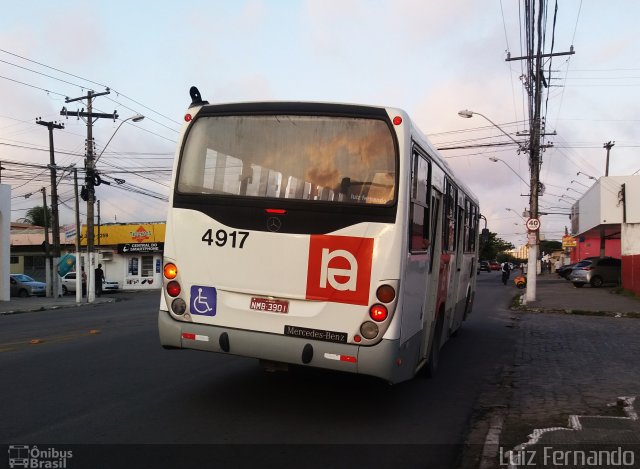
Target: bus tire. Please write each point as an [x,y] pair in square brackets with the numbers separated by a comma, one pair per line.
[434,354]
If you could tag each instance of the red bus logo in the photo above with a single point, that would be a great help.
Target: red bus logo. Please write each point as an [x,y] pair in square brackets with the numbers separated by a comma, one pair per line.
[339,269]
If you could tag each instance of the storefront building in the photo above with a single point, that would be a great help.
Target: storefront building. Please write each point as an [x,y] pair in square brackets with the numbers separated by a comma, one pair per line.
[130,254]
[606,221]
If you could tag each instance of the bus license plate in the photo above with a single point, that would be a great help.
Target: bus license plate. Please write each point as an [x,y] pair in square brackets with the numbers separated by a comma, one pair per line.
[270,306]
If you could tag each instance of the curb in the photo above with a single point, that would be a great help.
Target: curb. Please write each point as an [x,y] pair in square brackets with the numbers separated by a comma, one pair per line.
[54,307]
[578,312]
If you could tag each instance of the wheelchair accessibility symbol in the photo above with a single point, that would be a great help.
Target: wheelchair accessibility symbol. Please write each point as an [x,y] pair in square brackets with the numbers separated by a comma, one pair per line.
[203,300]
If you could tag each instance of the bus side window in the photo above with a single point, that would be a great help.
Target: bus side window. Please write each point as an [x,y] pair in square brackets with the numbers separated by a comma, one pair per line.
[449,226]
[419,207]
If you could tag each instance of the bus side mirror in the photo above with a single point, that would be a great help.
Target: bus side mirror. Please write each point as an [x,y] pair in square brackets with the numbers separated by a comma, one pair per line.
[484,236]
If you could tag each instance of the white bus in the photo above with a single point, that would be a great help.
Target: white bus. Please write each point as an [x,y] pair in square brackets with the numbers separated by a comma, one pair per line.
[318,234]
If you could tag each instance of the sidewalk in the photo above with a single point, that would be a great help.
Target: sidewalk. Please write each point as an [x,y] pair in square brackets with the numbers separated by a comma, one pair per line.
[40,303]
[555,294]
[572,363]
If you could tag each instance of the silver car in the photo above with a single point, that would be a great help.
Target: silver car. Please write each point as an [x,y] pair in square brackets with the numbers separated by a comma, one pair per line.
[596,272]
[23,285]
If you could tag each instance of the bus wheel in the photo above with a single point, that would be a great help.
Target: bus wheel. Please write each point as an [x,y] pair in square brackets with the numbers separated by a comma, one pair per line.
[434,354]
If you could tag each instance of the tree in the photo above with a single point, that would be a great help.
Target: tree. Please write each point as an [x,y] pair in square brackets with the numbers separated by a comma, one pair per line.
[549,246]
[35,216]
[493,247]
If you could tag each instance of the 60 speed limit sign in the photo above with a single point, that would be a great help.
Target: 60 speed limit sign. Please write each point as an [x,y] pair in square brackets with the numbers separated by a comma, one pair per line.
[533,224]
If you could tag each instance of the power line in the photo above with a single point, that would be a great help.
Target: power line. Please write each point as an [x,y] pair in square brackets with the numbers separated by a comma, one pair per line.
[33,86]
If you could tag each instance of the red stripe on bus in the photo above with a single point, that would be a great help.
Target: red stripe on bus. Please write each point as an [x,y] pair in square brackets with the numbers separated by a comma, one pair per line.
[347,358]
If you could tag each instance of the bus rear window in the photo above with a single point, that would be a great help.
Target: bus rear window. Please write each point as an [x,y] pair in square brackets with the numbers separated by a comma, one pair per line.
[314,158]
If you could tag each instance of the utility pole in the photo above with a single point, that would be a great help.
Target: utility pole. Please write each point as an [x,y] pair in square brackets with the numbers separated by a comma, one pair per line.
[55,225]
[45,244]
[534,83]
[78,269]
[98,202]
[90,178]
[609,145]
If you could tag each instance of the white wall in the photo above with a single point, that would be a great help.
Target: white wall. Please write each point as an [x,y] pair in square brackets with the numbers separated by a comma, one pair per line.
[601,204]
[630,239]
[632,196]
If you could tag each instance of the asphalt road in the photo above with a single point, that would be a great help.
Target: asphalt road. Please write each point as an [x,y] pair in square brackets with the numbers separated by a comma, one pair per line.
[99,377]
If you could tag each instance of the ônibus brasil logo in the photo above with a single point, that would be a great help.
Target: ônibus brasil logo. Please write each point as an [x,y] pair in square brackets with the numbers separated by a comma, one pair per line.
[339,269]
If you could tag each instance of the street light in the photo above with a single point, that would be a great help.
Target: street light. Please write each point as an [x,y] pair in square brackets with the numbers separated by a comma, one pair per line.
[512,210]
[572,189]
[568,197]
[585,174]
[136,118]
[578,182]
[495,160]
[469,114]
[91,173]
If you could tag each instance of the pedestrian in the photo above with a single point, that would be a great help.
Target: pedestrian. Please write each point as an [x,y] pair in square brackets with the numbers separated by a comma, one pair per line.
[506,270]
[84,283]
[99,278]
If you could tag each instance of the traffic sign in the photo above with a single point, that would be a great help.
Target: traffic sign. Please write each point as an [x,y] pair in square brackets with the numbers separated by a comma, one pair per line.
[533,224]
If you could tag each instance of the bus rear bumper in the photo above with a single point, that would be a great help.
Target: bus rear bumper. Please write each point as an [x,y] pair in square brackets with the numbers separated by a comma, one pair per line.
[386,360]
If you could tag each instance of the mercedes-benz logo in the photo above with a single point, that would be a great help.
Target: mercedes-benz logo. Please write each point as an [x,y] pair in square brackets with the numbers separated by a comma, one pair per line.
[274,224]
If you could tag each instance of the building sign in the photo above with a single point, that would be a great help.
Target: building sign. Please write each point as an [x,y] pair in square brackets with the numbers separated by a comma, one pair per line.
[568,242]
[135,248]
[134,233]
[69,233]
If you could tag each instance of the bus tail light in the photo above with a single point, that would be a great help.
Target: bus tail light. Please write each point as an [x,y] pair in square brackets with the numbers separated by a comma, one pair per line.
[170,271]
[378,312]
[369,330]
[178,306]
[173,288]
[385,294]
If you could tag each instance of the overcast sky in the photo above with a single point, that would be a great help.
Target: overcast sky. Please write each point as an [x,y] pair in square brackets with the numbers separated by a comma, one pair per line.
[431,58]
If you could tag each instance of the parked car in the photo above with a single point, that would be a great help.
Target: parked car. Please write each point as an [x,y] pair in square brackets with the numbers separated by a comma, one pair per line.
[23,285]
[565,270]
[495,265]
[596,272]
[109,285]
[69,284]
[484,266]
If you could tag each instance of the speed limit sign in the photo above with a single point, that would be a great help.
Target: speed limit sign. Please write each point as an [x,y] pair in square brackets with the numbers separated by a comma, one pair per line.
[533,224]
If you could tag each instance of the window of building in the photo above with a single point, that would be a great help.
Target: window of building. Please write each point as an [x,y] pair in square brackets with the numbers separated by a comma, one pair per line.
[146,266]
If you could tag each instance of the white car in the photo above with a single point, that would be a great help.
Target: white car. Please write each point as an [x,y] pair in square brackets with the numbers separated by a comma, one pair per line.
[69,284]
